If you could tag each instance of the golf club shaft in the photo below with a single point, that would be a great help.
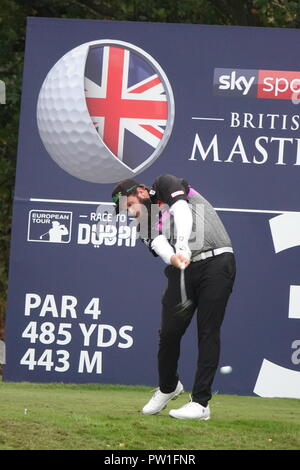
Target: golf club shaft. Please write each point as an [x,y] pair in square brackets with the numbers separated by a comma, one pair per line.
[44,234]
[182,284]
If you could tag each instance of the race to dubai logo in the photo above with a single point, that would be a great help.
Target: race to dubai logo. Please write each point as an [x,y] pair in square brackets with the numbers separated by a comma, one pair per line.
[105,111]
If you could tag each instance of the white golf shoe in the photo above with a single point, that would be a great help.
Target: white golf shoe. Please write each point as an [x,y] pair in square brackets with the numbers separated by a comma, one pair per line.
[159,400]
[191,410]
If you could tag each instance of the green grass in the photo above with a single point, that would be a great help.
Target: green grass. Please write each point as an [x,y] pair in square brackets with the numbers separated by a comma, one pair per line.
[107,417]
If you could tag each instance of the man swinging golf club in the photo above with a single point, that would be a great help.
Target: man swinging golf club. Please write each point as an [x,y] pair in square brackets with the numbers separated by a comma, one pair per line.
[197,242]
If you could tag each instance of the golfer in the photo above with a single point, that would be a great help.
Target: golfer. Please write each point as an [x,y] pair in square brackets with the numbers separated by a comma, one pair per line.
[186,232]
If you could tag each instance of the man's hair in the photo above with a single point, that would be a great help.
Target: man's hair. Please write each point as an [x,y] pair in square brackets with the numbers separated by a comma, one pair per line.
[125,188]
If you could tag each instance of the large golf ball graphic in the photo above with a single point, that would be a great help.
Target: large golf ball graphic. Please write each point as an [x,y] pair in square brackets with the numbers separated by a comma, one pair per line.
[105,111]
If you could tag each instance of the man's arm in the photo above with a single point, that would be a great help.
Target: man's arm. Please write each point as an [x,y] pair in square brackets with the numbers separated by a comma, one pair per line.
[173,191]
[162,248]
[183,220]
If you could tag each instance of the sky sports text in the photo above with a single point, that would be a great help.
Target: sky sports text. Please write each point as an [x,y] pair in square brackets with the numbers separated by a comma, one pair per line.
[264,84]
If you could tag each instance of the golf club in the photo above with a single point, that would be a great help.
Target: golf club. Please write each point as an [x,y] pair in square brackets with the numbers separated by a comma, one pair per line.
[185,305]
[44,234]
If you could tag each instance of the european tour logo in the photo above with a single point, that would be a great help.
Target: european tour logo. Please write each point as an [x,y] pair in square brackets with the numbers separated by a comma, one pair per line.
[49,226]
[262,84]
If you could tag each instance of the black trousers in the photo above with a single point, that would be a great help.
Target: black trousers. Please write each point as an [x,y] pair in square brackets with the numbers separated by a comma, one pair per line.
[208,284]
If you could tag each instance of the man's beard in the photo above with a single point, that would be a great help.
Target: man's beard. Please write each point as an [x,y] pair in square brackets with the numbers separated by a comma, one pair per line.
[145,223]
[146,206]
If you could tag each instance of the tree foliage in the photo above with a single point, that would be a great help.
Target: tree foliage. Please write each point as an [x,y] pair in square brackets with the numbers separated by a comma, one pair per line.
[275,13]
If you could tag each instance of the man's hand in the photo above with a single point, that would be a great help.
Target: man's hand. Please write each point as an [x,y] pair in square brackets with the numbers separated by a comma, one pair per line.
[178,260]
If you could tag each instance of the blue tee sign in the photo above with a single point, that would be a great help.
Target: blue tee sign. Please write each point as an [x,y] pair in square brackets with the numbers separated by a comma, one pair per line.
[103,101]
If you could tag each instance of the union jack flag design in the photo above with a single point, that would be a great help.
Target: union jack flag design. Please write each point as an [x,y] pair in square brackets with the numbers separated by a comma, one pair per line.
[127,102]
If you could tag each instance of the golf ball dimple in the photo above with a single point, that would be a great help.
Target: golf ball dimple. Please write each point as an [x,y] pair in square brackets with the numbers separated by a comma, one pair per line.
[226,370]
